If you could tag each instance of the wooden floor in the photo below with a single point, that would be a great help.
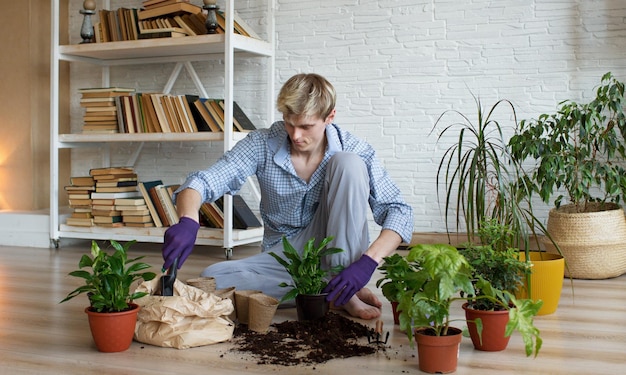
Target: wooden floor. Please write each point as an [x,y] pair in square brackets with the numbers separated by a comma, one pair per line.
[587,334]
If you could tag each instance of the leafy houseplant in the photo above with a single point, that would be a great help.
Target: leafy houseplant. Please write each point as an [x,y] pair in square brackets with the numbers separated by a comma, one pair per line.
[397,273]
[485,181]
[441,276]
[307,274]
[495,261]
[482,179]
[498,274]
[107,286]
[580,149]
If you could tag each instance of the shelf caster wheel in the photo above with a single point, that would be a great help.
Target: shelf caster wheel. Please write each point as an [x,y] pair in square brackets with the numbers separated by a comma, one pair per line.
[229,253]
[55,243]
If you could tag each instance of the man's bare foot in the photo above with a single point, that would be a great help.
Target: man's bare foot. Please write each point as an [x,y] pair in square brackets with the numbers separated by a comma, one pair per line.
[369,297]
[363,305]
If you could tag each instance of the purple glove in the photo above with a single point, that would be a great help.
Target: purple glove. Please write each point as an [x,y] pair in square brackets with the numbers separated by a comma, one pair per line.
[349,281]
[179,241]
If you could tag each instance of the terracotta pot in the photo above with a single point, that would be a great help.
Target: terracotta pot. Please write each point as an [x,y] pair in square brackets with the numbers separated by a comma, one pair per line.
[113,332]
[438,354]
[494,326]
[395,312]
[311,306]
[546,280]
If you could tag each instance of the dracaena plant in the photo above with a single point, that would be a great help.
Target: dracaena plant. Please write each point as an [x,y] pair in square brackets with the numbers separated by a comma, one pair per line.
[108,281]
[305,267]
[579,149]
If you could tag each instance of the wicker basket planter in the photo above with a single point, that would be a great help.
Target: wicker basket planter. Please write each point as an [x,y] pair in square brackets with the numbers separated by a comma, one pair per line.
[593,243]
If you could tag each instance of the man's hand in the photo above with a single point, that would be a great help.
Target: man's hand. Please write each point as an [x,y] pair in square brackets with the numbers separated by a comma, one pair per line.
[179,240]
[349,281]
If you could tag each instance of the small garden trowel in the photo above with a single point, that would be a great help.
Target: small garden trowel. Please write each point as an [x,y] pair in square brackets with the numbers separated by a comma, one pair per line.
[166,283]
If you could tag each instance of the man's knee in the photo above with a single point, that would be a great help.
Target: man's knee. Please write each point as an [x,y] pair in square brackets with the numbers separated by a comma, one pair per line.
[347,163]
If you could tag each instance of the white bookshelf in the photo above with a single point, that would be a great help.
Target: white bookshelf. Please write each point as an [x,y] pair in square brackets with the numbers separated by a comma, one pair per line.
[181,51]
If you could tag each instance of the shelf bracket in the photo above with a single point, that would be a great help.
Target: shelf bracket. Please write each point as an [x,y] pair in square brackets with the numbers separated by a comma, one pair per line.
[192,74]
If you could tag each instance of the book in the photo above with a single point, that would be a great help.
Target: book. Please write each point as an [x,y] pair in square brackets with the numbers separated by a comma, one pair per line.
[206,115]
[240,116]
[167,203]
[108,184]
[106,211]
[159,206]
[115,195]
[216,112]
[130,202]
[142,212]
[103,202]
[79,222]
[115,177]
[243,217]
[244,214]
[111,171]
[116,189]
[79,202]
[82,181]
[144,188]
[169,9]
[157,3]
[129,208]
[107,219]
[213,214]
[137,219]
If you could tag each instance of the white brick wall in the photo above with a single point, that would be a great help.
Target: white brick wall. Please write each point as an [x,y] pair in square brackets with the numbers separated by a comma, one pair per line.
[396,66]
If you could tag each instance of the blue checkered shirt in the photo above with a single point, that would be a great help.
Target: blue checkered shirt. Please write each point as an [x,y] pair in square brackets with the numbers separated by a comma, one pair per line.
[288,203]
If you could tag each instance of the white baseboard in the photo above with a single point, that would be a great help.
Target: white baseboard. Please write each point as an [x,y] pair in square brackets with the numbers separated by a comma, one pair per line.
[25,228]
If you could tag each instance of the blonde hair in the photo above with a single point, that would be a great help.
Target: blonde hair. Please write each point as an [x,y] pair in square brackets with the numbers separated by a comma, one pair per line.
[306,95]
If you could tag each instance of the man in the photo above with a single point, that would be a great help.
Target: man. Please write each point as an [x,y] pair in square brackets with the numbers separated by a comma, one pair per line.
[316,181]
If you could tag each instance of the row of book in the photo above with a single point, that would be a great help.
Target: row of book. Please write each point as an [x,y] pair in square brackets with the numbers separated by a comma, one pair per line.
[121,110]
[168,18]
[113,197]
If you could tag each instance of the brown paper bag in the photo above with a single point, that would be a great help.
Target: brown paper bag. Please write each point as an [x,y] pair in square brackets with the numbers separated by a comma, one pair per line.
[187,319]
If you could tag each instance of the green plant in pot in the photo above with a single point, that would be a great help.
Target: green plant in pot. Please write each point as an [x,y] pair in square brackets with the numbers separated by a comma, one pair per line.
[308,277]
[108,279]
[498,274]
[441,276]
[579,156]
[483,181]
[396,278]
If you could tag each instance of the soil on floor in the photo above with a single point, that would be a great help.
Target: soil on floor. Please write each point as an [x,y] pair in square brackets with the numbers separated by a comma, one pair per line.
[293,343]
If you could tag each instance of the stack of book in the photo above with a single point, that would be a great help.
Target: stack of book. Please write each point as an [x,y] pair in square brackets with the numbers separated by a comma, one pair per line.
[101,108]
[110,184]
[160,19]
[79,195]
[134,212]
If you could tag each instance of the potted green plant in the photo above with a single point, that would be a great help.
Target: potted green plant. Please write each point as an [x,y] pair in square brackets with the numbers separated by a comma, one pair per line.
[396,278]
[308,277]
[495,261]
[579,153]
[112,314]
[483,180]
[441,276]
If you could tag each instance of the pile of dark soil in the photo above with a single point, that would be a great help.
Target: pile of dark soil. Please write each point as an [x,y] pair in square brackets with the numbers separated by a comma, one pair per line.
[293,343]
